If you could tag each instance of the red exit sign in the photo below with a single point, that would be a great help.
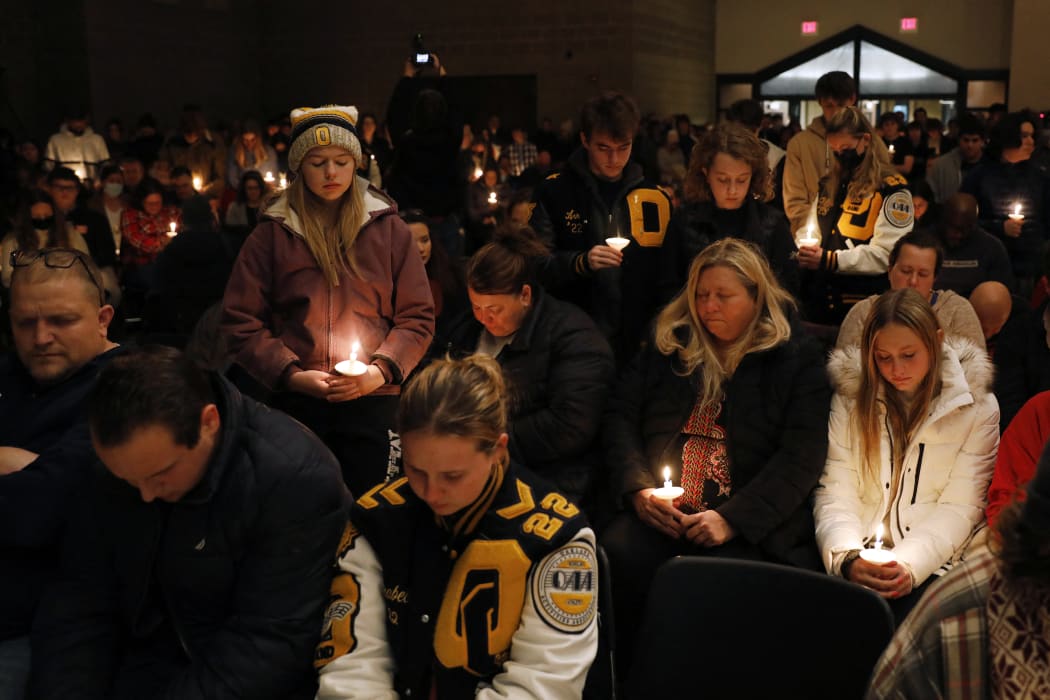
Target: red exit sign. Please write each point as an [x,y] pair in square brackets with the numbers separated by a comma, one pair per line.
[909,24]
[809,27]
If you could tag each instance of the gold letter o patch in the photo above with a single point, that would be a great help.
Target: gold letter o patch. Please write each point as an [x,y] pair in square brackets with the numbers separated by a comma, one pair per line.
[322,135]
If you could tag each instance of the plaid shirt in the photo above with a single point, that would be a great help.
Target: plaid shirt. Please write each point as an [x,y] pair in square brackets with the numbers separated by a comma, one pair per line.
[941,649]
[521,156]
[143,236]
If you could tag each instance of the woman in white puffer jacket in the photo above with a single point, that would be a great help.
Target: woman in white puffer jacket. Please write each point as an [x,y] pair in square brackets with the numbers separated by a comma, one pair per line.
[913,434]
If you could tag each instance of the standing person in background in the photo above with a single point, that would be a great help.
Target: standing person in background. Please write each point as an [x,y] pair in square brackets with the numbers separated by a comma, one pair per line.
[809,159]
[864,208]
[331,265]
[600,195]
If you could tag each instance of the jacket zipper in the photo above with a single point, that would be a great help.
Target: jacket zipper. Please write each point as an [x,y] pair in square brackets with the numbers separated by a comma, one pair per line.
[900,486]
[918,470]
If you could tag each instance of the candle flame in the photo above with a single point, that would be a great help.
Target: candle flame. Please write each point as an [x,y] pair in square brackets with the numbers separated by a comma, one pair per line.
[878,536]
[667,473]
[197,182]
[172,226]
[354,349]
[1017,209]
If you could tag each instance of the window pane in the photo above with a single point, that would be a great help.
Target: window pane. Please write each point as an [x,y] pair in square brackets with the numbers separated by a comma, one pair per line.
[801,79]
[886,73]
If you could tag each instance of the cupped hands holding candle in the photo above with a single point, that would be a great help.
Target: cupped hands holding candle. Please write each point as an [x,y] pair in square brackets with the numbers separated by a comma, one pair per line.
[878,569]
[1014,222]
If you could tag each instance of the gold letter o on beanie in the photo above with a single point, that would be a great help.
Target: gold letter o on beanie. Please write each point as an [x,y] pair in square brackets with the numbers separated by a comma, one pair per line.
[323,135]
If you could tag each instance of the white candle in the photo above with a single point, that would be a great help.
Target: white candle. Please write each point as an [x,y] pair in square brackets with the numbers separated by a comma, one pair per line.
[618,242]
[877,555]
[268,177]
[492,198]
[806,237]
[892,149]
[283,181]
[172,231]
[478,173]
[668,492]
[1017,215]
[197,182]
[352,367]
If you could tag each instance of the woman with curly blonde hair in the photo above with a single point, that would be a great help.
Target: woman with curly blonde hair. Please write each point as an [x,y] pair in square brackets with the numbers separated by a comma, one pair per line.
[726,190]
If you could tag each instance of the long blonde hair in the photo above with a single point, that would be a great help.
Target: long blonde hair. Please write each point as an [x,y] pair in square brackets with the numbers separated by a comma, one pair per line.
[874,167]
[906,308]
[332,249]
[258,151]
[679,330]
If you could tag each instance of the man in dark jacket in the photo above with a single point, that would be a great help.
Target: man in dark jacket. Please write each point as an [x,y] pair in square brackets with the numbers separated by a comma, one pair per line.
[971,255]
[600,195]
[59,325]
[198,565]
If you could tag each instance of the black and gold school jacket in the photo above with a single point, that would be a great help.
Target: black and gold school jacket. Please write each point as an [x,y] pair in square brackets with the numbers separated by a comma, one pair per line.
[496,601]
[857,237]
[570,217]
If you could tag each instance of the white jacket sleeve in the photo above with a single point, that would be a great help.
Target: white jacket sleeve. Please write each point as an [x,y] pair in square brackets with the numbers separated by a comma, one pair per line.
[935,540]
[837,506]
[549,663]
[874,258]
[354,634]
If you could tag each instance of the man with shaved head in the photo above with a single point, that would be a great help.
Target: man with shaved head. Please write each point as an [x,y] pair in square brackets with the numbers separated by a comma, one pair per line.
[59,321]
[971,255]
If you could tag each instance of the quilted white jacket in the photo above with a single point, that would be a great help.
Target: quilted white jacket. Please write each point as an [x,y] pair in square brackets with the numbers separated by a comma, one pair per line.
[939,501]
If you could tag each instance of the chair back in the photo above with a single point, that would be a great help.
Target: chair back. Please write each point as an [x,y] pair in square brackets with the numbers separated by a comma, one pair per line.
[728,628]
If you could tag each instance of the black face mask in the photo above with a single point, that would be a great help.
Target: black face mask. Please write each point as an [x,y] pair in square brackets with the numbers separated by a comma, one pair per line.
[849,158]
[43,224]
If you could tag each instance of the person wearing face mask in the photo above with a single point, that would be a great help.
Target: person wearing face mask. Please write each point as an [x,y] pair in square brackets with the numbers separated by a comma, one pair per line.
[111,201]
[1012,193]
[38,227]
[863,208]
[726,190]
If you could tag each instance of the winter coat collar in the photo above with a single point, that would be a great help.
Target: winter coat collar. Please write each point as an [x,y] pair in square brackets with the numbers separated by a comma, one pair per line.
[232,414]
[966,373]
[377,203]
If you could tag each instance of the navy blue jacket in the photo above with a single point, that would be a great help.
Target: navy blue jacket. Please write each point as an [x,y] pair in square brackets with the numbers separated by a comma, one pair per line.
[219,595]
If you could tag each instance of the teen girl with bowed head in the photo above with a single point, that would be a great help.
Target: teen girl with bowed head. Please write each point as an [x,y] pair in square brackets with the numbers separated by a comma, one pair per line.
[912,441]
[329,268]
[469,577]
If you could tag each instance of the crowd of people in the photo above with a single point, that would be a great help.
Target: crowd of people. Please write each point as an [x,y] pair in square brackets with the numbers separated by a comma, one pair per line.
[341,409]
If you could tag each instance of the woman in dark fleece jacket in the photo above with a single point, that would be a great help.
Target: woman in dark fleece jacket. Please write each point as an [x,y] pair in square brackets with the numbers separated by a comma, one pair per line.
[734,400]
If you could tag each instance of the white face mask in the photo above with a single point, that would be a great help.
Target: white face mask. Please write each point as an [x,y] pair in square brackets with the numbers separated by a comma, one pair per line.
[113,189]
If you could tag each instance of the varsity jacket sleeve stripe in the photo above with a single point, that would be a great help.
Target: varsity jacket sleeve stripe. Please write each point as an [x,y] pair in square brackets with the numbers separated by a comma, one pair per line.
[356,631]
[873,258]
[545,663]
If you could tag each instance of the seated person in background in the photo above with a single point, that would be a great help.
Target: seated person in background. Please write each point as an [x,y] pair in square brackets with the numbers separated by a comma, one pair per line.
[59,324]
[489,575]
[64,187]
[249,152]
[726,189]
[198,562]
[927,211]
[182,189]
[37,227]
[557,365]
[447,283]
[915,262]
[145,227]
[243,213]
[971,255]
[110,202]
[1019,451]
[912,439]
[982,630]
[733,398]
[1017,343]
[863,208]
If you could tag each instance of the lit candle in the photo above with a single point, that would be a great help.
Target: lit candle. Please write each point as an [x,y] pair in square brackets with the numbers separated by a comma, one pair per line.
[478,173]
[352,367]
[283,181]
[876,554]
[492,198]
[1017,215]
[668,492]
[172,231]
[806,237]
[197,182]
[618,242]
[893,149]
[268,177]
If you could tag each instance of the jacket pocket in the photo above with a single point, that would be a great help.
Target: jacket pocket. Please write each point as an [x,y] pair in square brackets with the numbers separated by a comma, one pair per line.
[918,473]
